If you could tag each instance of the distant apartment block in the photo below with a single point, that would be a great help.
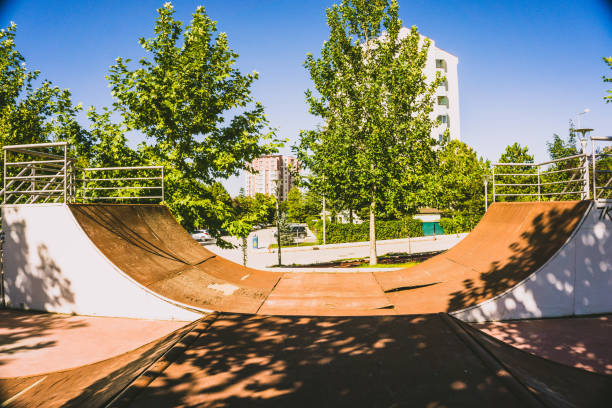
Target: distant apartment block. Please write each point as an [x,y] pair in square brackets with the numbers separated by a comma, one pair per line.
[446,105]
[264,173]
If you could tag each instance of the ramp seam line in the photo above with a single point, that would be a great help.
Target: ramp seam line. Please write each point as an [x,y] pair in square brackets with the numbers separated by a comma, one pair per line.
[129,393]
[269,293]
[514,384]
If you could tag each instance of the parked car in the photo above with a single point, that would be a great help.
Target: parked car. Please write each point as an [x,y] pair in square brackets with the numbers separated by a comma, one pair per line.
[202,236]
[297,231]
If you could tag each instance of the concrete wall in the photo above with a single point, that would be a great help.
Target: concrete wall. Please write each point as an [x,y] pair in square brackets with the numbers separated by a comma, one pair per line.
[577,280]
[51,265]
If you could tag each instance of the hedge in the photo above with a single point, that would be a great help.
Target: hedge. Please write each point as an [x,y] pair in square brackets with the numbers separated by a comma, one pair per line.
[339,233]
[459,223]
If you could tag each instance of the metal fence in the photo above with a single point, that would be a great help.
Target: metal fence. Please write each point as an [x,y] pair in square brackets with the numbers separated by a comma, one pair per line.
[135,183]
[566,178]
[583,176]
[602,168]
[40,172]
[44,173]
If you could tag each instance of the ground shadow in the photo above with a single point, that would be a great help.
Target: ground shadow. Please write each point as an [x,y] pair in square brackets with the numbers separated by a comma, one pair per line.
[582,342]
[387,361]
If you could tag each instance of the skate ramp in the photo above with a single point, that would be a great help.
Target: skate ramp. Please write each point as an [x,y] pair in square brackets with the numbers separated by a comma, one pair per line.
[520,261]
[230,360]
[91,385]
[511,242]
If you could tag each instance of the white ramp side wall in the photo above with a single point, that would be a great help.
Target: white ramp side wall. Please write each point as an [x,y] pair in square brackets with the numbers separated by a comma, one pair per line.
[51,265]
[577,280]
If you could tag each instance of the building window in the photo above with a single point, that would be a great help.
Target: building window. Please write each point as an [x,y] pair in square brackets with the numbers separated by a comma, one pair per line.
[443,120]
[443,100]
[440,63]
[440,137]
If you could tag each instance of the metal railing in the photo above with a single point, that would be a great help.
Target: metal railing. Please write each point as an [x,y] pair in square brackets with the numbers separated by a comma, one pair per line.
[602,169]
[564,178]
[41,172]
[44,173]
[583,176]
[123,183]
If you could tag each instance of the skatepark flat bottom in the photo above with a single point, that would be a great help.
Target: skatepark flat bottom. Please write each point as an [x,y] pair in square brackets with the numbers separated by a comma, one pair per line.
[582,342]
[418,361]
[228,360]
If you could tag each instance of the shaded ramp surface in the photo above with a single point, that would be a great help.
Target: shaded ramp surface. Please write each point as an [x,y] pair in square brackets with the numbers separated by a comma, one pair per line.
[231,360]
[511,242]
[90,385]
[411,360]
[555,384]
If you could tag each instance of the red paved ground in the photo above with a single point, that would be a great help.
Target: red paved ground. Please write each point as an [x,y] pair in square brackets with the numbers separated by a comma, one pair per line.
[34,343]
[582,342]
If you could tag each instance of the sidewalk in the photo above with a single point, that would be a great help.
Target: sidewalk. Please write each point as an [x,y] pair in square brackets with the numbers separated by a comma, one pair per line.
[262,257]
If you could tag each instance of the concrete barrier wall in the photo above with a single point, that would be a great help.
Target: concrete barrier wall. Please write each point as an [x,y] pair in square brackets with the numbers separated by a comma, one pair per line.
[577,280]
[51,265]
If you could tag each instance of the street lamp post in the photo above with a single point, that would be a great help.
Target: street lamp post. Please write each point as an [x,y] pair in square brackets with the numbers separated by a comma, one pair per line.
[486,183]
[587,110]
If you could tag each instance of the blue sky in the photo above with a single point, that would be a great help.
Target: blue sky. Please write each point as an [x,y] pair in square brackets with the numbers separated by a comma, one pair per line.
[525,67]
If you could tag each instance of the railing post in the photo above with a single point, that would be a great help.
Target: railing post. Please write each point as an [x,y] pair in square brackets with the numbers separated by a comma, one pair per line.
[84,172]
[65,172]
[4,198]
[586,181]
[493,183]
[539,184]
[594,170]
[162,186]
[486,199]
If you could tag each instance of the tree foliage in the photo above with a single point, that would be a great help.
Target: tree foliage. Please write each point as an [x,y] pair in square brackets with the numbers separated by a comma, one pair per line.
[195,108]
[301,206]
[459,184]
[562,176]
[375,101]
[34,110]
[526,174]
[247,212]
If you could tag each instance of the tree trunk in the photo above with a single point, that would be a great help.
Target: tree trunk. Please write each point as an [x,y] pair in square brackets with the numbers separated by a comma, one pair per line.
[373,258]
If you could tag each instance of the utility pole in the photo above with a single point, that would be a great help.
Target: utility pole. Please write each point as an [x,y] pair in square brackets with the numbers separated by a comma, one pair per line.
[278,232]
[324,217]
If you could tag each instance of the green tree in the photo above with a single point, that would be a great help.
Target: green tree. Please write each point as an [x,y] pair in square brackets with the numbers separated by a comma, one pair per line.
[284,230]
[608,98]
[247,212]
[564,175]
[506,183]
[195,108]
[296,208]
[376,103]
[33,110]
[460,184]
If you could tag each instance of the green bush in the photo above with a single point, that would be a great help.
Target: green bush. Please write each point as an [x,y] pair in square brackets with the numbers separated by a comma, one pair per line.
[339,233]
[459,223]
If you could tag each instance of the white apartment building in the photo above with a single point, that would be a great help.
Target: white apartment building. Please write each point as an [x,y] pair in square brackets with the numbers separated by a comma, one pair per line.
[446,106]
[264,173]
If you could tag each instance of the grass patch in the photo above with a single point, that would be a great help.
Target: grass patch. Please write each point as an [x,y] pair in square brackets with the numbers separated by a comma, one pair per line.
[386,265]
[301,244]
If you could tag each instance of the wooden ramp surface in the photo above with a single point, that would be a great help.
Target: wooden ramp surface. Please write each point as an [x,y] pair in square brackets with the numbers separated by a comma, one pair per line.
[510,243]
[236,360]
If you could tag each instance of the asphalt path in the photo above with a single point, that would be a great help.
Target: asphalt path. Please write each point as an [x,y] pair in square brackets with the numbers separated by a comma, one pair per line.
[265,257]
